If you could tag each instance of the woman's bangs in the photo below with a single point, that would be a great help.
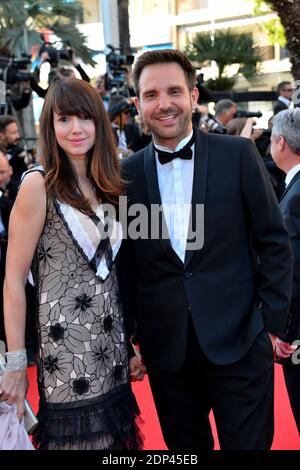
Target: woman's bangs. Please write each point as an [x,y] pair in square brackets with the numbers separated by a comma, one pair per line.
[68,102]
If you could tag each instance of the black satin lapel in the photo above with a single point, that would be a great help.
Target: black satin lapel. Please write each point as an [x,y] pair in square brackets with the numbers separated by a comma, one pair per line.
[155,199]
[199,186]
[151,176]
[296,177]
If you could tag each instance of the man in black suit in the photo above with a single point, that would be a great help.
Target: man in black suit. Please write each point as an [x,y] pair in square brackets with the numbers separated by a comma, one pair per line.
[285,150]
[285,92]
[208,297]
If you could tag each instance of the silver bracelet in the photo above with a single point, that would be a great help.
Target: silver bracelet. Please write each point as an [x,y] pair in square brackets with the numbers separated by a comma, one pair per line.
[16,360]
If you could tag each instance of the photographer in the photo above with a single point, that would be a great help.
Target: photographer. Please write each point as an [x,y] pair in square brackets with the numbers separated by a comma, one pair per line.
[10,141]
[15,91]
[129,137]
[16,102]
[51,55]
[225,110]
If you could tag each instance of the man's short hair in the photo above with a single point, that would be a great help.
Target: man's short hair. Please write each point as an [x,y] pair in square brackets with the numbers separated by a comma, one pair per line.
[287,124]
[281,86]
[223,106]
[164,56]
[5,120]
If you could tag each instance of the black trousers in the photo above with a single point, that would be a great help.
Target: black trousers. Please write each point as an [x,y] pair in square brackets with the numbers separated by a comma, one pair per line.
[241,396]
[292,380]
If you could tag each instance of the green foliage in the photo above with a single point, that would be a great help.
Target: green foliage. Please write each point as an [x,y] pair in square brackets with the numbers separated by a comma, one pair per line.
[20,21]
[225,48]
[273,28]
[260,7]
[275,32]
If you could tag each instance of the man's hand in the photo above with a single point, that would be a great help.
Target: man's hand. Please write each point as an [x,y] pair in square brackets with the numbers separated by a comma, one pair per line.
[283,349]
[137,368]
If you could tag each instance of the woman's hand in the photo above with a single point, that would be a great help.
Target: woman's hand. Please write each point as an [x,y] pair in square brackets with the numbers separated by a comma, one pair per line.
[13,388]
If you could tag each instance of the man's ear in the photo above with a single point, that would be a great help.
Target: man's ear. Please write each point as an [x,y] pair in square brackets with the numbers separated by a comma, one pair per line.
[137,104]
[194,97]
[281,143]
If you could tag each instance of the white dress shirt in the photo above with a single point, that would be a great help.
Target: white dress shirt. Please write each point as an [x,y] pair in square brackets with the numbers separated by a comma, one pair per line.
[175,181]
[290,175]
[285,101]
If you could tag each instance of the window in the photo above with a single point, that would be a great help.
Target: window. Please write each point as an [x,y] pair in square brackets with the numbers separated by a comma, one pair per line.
[266,53]
[284,53]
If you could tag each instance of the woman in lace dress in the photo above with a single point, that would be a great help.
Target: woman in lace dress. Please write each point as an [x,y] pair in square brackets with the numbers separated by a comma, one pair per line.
[61,229]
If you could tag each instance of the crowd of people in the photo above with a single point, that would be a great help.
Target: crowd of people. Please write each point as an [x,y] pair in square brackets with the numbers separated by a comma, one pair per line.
[201,297]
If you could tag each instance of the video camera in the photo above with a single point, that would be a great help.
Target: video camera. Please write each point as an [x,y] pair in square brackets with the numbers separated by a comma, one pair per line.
[65,53]
[117,71]
[12,70]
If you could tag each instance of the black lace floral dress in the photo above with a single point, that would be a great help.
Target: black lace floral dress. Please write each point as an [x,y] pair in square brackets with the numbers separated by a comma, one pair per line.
[86,401]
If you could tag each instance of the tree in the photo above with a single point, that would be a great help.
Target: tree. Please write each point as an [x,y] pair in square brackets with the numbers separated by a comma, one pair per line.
[124,35]
[225,48]
[289,14]
[21,21]
[273,28]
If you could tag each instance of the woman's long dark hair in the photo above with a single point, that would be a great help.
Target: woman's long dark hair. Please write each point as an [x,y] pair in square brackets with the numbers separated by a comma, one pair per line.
[76,97]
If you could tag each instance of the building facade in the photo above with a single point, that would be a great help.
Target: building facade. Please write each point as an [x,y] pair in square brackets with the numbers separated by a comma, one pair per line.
[172,23]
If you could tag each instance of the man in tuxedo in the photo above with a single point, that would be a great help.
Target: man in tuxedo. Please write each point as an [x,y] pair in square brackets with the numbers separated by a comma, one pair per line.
[285,150]
[285,92]
[208,288]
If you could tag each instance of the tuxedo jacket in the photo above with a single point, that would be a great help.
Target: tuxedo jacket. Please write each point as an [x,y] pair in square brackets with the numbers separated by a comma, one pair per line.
[290,207]
[279,106]
[236,285]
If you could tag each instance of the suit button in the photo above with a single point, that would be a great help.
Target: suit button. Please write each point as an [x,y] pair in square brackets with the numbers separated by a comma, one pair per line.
[188,275]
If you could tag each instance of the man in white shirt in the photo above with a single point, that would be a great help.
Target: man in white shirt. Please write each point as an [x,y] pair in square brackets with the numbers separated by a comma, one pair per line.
[285,150]
[285,93]
[207,312]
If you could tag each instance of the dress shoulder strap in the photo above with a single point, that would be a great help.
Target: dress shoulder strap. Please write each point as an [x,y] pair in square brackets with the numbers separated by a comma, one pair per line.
[38,168]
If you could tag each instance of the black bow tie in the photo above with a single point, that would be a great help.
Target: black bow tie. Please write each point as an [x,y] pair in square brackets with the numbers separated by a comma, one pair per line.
[185,153]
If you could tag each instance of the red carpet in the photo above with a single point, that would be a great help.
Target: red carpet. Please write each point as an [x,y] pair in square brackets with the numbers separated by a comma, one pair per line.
[286,434]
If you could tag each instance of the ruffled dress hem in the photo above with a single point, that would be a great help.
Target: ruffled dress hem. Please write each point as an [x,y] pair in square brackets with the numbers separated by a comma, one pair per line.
[108,422]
